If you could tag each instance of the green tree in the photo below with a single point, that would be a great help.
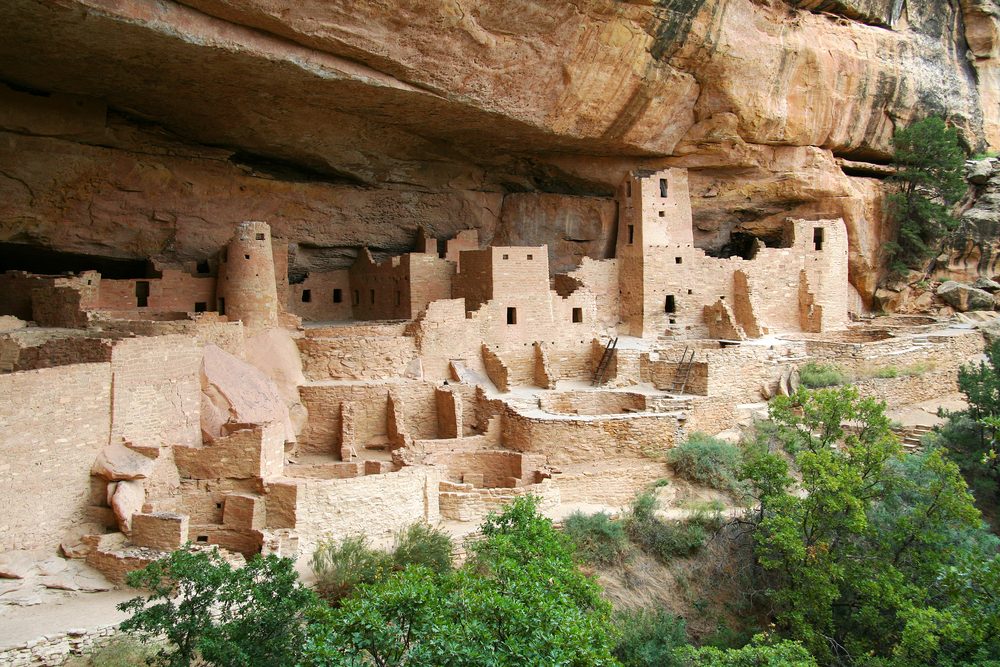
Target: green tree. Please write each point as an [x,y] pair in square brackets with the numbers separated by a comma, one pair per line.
[520,599]
[857,555]
[929,159]
[217,614]
[971,434]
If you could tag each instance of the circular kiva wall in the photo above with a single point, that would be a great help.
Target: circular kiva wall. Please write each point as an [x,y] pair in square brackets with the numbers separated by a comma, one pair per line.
[592,402]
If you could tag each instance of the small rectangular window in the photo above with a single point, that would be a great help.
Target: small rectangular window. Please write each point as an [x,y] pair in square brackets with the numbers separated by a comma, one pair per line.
[247,256]
[203,267]
[338,295]
[200,306]
[371,295]
[201,538]
[577,315]
[512,316]
[670,306]
[662,214]
[818,238]
[357,298]
[663,187]
[260,237]
[531,256]
[222,305]
[678,260]
[506,256]
[306,296]
[628,188]
[631,234]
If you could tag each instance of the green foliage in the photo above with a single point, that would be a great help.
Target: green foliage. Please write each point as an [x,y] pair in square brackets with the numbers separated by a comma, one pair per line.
[650,638]
[519,600]
[665,539]
[210,612]
[342,567]
[929,162]
[598,538]
[421,544]
[857,561]
[706,460]
[758,653]
[119,652]
[817,376]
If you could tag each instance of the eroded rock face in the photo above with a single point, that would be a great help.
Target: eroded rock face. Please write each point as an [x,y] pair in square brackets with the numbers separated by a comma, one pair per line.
[346,124]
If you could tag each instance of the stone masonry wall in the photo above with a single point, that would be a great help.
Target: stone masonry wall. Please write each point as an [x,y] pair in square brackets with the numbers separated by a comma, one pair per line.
[356,358]
[565,440]
[175,291]
[157,391]
[53,422]
[321,297]
[55,649]
[375,505]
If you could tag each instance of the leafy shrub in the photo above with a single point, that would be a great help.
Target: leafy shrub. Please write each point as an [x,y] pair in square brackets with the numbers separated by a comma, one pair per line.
[340,568]
[757,652]
[815,376]
[597,537]
[649,638]
[210,613]
[706,460]
[664,539]
[119,652]
[421,544]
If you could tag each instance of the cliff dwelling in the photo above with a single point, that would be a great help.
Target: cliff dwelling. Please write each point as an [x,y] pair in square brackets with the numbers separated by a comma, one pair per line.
[218,403]
[273,275]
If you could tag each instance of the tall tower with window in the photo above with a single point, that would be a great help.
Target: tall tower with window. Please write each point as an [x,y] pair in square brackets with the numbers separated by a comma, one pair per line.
[654,236]
[246,287]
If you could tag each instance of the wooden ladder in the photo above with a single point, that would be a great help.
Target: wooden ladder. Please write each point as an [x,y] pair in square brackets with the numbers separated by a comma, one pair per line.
[683,371]
[602,367]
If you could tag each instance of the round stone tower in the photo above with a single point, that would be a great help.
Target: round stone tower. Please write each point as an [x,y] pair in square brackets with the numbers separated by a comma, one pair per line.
[246,287]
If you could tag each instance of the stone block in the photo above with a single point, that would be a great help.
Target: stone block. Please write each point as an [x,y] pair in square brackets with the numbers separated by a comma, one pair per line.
[161,530]
[244,512]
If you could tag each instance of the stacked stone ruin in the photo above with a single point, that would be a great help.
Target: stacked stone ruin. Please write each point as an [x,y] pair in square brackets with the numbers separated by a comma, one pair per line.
[218,404]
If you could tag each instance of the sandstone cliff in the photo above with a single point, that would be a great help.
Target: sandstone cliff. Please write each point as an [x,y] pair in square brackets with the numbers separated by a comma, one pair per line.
[135,128]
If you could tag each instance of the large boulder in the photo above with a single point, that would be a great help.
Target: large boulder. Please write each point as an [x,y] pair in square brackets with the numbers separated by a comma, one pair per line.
[964,297]
[235,393]
[979,171]
[986,285]
[118,462]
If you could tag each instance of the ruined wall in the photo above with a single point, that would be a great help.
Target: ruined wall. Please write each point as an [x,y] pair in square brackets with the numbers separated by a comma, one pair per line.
[400,287]
[321,297]
[580,439]
[157,391]
[356,357]
[443,333]
[374,505]
[175,291]
[322,432]
[48,442]
[601,279]
[31,349]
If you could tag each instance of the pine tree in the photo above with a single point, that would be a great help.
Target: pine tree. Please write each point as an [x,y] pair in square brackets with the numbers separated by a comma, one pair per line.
[929,159]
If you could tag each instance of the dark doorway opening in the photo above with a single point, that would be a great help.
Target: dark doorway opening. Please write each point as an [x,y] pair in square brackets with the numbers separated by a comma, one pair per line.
[141,293]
